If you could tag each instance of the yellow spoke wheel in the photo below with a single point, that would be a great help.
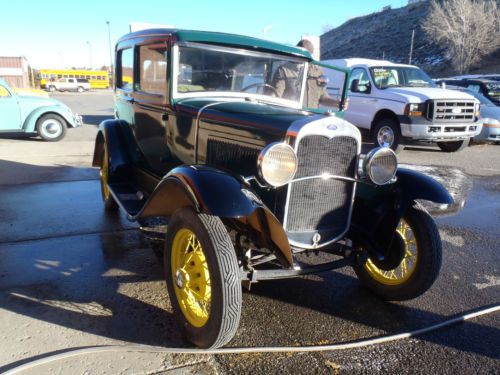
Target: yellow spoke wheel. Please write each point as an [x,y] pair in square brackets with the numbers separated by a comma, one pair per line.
[405,269]
[109,201]
[202,275]
[191,277]
[420,265]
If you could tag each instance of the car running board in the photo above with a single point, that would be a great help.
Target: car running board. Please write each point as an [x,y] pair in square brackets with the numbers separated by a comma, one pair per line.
[128,197]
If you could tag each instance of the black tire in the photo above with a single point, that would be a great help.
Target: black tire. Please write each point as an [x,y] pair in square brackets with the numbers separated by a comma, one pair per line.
[79,89]
[52,88]
[225,286]
[453,146]
[387,133]
[426,269]
[107,198]
[51,127]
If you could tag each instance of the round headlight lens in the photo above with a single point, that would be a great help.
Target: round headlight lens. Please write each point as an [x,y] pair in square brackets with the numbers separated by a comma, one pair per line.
[380,165]
[277,164]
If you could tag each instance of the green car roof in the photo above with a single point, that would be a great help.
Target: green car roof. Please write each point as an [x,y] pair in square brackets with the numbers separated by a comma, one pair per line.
[221,39]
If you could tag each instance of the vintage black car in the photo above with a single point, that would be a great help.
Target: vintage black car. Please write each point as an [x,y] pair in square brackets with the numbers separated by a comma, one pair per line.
[252,177]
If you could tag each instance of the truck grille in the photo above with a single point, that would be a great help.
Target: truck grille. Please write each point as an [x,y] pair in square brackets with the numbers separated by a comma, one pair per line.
[316,205]
[451,111]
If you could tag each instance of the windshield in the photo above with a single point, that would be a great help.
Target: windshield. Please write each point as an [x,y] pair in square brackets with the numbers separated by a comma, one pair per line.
[494,90]
[215,70]
[400,76]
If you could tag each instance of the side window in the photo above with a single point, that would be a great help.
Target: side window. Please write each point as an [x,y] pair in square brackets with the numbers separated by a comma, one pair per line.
[153,69]
[4,93]
[126,70]
[359,81]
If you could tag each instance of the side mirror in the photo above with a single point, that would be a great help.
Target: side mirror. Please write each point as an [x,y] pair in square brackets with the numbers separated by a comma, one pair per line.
[322,81]
[354,85]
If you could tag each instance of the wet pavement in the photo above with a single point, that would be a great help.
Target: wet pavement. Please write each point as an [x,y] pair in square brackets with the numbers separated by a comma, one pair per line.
[73,276]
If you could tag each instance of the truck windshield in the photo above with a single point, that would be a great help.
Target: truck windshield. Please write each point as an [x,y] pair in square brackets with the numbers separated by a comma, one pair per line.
[400,76]
[215,70]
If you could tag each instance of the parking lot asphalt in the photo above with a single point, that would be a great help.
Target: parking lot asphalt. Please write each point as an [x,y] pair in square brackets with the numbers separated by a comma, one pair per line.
[73,276]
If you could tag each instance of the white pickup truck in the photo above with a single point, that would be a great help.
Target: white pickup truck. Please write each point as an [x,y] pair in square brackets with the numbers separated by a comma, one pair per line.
[399,103]
[69,84]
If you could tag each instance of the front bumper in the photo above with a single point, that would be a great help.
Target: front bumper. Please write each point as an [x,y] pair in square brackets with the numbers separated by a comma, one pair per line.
[489,134]
[420,129]
[77,120]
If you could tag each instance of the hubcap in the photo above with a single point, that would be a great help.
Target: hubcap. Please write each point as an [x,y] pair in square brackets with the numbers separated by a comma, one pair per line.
[51,128]
[191,277]
[385,136]
[405,269]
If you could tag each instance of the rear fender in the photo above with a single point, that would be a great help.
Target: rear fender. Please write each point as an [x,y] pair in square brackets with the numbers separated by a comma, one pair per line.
[117,138]
[214,192]
[378,209]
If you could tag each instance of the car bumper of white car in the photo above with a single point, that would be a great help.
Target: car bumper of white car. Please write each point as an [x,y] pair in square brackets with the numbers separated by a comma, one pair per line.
[423,130]
[77,120]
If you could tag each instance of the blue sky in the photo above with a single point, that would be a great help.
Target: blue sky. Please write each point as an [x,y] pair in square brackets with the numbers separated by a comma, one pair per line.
[55,33]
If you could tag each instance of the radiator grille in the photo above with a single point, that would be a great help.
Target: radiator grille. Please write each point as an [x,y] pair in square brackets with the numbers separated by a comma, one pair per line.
[322,204]
[227,155]
[452,111]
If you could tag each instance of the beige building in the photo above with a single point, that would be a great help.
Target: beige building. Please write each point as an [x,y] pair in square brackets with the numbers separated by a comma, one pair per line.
[14,70]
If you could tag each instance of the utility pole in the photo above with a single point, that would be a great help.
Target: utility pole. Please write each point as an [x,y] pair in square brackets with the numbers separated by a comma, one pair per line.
[90,54]
[411,45]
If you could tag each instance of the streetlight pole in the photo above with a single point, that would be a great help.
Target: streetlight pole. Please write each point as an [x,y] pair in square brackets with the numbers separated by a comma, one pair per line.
[110,51]
[90,54]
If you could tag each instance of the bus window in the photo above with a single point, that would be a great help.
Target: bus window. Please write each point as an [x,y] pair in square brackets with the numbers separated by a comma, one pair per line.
[93,77]
[59,76]
[88,77]
[71,76]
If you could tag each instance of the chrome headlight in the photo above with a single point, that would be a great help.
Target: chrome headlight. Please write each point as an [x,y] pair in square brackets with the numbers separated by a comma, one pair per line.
[380,165]
[277,164]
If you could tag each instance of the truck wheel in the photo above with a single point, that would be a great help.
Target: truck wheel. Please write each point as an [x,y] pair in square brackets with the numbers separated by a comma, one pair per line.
[51,127]
[421,263]
[202,275]
[387,134]
[79,89]
[107,198]
[453,146]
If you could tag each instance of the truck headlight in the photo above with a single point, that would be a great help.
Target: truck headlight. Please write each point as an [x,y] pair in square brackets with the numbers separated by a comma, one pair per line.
[277,164]
[380,165]
[415,109]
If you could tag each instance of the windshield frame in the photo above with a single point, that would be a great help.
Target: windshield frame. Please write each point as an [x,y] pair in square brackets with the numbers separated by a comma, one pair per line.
[389,67]
[176,95]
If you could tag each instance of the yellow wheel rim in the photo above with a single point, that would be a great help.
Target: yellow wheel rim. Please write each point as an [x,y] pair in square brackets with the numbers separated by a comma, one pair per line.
[191,278]
[103,175]
[405,269]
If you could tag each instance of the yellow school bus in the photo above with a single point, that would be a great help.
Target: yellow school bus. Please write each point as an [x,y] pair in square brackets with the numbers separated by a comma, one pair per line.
[98,79]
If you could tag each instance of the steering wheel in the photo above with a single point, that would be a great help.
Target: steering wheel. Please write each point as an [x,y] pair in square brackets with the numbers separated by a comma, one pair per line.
[266,85]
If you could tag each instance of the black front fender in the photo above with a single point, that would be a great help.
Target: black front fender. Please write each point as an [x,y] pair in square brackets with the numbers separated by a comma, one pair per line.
[378,209]
[219,193]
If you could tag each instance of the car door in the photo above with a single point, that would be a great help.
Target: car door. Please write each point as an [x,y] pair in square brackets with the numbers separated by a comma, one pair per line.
[10,114]
[358,112]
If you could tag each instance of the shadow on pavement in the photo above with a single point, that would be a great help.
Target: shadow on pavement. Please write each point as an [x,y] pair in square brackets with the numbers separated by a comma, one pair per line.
[95,119]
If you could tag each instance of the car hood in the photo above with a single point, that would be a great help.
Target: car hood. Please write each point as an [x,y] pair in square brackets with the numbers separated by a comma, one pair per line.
[253,116]
[421,94]
[490,112]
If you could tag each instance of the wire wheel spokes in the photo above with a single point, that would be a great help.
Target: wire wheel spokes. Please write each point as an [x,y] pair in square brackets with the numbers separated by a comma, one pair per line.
[405,269]
[191,277]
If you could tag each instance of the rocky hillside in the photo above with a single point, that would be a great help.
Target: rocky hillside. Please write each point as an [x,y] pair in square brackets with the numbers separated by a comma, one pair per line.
[387,34]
